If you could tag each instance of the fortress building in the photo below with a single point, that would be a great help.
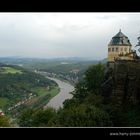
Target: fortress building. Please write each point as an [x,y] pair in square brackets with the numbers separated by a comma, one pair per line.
[122,74]
[119,48]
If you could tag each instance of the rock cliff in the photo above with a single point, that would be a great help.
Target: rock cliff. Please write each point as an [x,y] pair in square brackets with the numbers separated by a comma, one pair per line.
[122,81]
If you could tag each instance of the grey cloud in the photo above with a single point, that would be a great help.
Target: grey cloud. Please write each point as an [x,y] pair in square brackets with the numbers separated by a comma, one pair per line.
[45,35]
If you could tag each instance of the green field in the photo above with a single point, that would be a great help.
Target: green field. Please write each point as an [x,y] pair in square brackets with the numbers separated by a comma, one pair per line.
[11,70]
[41,91]
[53,92]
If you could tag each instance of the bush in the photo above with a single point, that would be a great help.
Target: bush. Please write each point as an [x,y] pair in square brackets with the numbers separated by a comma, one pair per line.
[4,121]
[83,116]
[36,118]
[94,77]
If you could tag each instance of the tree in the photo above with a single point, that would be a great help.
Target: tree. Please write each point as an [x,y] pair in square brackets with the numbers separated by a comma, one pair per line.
[91,84]
[83,116]
[36,118]
[42,117]
[94,77]
[80,91]
[26,119]
[4,121]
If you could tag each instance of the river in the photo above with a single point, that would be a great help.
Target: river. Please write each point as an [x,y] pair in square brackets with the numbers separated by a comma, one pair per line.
[65,89]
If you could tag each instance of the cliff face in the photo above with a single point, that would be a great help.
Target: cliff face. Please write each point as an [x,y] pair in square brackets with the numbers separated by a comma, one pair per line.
[122,81]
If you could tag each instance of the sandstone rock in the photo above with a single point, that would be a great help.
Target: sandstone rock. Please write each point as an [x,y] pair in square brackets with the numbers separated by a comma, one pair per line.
[122,81]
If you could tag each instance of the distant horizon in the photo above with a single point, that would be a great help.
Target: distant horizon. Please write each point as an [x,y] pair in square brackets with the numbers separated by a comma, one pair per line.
[24,57]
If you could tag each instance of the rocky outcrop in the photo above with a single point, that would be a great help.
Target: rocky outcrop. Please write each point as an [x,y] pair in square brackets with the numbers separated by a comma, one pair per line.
[122,81]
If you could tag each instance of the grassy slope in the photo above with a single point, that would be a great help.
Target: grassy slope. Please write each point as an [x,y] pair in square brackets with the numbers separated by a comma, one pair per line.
[11,70]
[43,91]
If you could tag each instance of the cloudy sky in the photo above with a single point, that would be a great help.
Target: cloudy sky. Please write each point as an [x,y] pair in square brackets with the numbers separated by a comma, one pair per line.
[47,35]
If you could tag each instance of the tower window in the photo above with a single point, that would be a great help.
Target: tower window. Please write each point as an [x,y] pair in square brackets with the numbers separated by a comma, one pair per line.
[112,49]
[116,49]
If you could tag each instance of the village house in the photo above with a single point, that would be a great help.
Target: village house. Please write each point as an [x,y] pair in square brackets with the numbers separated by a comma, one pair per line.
[1,113]
[75,71]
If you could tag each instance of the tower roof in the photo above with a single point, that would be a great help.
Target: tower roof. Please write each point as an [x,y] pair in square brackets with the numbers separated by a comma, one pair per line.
[120,40]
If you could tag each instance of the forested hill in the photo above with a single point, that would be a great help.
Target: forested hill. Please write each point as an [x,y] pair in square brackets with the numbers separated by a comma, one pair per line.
[17,86]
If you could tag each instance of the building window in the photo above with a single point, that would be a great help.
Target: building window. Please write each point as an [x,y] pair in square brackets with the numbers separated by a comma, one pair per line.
[121,49]
[109,50]
[112,49]
[116,49]
[125,49]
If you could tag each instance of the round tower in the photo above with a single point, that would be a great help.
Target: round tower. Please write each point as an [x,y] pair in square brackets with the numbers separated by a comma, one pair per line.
[119,45]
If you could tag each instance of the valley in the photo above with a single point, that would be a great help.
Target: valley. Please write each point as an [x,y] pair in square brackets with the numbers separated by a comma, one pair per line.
[38,83]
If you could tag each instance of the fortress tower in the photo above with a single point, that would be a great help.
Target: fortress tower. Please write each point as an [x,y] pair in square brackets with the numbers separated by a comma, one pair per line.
[118,46]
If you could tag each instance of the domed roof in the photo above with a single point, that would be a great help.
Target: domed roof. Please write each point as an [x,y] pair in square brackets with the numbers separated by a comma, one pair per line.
[120,39]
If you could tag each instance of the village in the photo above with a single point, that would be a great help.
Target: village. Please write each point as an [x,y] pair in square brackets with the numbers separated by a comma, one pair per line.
[31,95]
[72,77]
[24,101]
